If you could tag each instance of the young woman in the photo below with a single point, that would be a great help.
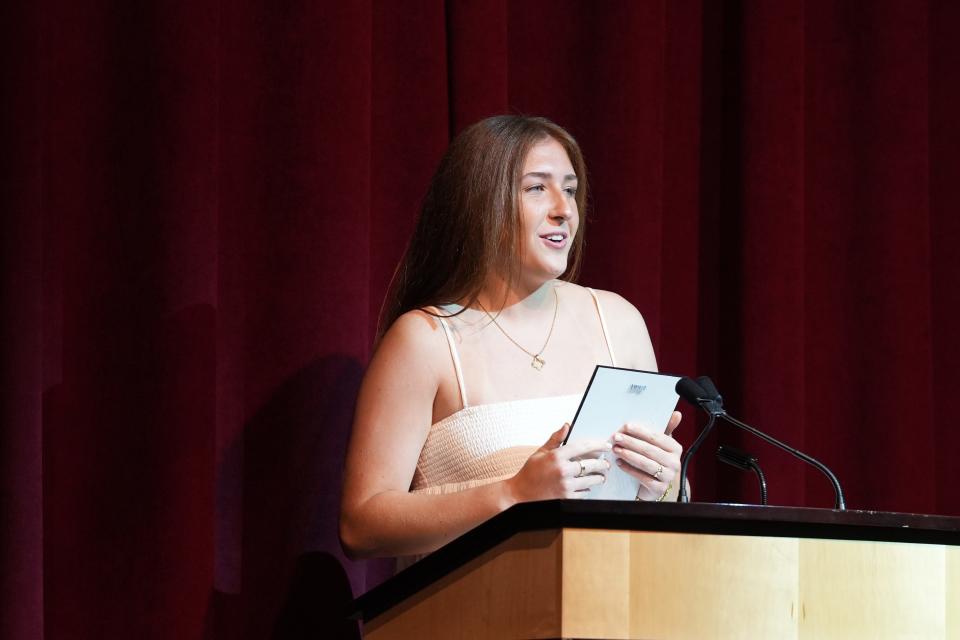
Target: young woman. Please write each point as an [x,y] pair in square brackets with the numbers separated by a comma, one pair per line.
[488,346]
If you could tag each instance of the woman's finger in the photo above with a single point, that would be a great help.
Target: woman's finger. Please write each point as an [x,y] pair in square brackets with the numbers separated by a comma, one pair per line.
[659,440]
[583,447]
[587,466]
[647,480]
[675,418]
[625,443]
[556,438]
[583,484]
[652,468]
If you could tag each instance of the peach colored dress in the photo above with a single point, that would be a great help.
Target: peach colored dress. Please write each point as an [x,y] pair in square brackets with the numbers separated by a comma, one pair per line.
[484,443]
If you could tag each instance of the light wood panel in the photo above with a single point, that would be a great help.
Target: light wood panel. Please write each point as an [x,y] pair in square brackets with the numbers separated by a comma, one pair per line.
[590,583]
[596,584]
[953,593]
[512,591]
[872,590]
[703,586]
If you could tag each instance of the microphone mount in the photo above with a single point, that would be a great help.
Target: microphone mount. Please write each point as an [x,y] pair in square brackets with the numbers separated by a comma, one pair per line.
[839,503]
[745,462]
[705,395]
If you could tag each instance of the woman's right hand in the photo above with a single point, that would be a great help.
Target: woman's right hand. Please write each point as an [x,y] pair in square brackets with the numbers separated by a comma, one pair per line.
[554,471]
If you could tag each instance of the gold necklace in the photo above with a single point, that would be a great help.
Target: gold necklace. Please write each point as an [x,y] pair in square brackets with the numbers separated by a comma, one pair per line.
[538,361]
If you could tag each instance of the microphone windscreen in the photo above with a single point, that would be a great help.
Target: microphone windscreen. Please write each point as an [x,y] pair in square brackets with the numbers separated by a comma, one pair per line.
[707,385]
[736,457]
[691,391]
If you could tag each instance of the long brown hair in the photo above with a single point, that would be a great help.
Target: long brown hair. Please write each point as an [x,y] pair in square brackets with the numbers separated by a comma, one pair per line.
[470,219]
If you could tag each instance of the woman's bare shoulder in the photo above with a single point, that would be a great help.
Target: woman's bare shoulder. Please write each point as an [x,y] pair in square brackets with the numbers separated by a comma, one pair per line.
[615,307]
[404,373]
[619,307]
[416,333]
[628,329]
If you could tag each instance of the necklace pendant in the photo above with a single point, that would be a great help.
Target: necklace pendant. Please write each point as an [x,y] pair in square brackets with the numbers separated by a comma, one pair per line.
[537,362]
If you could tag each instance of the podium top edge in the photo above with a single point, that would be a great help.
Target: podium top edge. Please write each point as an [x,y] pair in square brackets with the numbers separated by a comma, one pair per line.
[702,518]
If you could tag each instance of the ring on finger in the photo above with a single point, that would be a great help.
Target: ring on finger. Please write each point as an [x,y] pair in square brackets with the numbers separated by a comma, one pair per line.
[582,469]
[656,476]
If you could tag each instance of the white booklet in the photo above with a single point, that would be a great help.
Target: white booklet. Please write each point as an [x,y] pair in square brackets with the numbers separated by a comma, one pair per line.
[613,398]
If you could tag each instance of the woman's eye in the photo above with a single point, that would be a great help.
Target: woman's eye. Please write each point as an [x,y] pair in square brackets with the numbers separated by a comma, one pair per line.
[536,187]
[571,191]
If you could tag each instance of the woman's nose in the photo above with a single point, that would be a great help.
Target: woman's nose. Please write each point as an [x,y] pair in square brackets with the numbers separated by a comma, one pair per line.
[562,206]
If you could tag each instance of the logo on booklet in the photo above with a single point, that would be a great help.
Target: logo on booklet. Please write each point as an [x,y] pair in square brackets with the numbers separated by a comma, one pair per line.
[637,388]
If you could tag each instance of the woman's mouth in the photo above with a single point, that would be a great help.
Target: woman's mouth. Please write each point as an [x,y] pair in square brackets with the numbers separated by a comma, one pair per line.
[555,240]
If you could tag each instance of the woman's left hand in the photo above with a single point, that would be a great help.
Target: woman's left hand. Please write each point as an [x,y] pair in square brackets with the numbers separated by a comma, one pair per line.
[651,457]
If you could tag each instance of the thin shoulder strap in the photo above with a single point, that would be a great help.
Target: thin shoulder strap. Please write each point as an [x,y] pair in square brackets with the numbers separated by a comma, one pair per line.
[456,360]
[603,326]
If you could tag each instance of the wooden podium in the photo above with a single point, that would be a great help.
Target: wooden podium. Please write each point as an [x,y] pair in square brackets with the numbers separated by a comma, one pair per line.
[594,569]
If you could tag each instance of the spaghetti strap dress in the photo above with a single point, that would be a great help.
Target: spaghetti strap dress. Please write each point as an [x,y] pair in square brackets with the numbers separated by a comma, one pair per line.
[485,443]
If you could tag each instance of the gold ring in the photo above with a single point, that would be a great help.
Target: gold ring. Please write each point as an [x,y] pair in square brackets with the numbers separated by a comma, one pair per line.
[656,476]
[582,469]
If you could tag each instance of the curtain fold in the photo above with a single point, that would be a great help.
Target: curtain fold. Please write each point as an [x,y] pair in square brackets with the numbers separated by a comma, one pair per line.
[943,140]
[202,207]
[22,371]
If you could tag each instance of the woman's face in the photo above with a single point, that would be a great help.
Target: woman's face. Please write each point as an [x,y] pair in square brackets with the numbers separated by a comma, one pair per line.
[548,212]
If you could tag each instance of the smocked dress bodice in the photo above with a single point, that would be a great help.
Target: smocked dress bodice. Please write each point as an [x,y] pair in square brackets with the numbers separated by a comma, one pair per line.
[484,443]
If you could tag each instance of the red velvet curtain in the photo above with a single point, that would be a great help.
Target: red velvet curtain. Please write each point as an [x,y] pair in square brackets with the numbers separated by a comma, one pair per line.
[202,204]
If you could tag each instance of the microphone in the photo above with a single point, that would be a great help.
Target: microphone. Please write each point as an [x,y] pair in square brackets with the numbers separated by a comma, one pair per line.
[839,502]
[698,397]
[707,385]
[743,460]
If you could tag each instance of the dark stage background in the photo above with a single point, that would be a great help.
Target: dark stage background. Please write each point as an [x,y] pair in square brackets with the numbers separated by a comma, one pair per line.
[202,204]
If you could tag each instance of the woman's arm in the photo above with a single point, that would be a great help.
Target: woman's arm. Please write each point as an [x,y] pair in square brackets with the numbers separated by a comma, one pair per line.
[379,516]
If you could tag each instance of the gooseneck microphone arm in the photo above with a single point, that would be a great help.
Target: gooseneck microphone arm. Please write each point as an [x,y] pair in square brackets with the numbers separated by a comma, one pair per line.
[839,502]
[762,479]
[704,394]
[694,394]
[745,462]
[689,454]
